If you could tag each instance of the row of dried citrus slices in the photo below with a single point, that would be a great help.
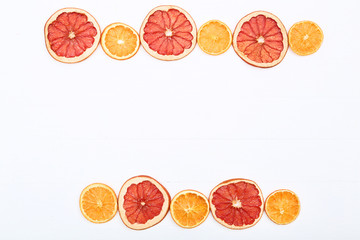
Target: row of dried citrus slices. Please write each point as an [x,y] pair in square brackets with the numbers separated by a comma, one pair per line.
[169,33]
[143,202]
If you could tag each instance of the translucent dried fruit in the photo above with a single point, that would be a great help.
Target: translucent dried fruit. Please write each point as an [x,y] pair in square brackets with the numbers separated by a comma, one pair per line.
[120,41]
[282,206]
[189,208]
[260,39]
[98,203]
[237,203]
[71,35]
[305,38]
[168,33]
[143,202]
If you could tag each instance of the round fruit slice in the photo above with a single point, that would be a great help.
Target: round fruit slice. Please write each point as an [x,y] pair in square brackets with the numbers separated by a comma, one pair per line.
[143,202]
[282,206]
[237,203]
[214,37]
[260,39]
[305,38]
[168,33]
[98,203]
[71,35]
[189,208]
[120,41]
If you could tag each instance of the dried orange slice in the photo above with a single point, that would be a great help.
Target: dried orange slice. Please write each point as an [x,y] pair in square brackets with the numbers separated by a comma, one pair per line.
[189,208]
[120,41]
[98,203]
[282,206]
[214,37]
[71,35]
[260,39]
[143,202]
[237,203]
[168,33]
[305,38]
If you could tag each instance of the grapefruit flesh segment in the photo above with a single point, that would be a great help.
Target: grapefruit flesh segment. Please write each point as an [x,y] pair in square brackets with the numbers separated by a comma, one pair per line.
[237,203]
[168,32]
[71,34]
[261,39]
[142,202]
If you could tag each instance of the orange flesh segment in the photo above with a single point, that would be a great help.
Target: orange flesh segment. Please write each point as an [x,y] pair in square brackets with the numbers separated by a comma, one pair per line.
[168,32]
[214,37]
[282,207]
[71,34]
[121,41]
[260,39]
[305,38]
[190,209]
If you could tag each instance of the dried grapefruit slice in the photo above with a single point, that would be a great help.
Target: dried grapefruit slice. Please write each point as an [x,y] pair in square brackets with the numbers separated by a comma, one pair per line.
[237,203]
[71,35]
[189,208]
[120,41]
[214,37]
[143,202]
[98,203]
[168,33]
[305,38]
[260,39]
[282,206]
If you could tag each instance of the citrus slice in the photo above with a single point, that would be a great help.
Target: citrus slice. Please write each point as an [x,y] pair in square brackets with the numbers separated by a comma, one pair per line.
[189,208]
[168,33]
[282,206]
[120,41]
[98,203]
[71,35]
[305,38]
[237,203]
[260,39]
[214,37]
[143,202]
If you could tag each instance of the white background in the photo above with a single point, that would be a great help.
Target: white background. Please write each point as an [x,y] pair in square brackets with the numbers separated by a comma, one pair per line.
[190,123]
